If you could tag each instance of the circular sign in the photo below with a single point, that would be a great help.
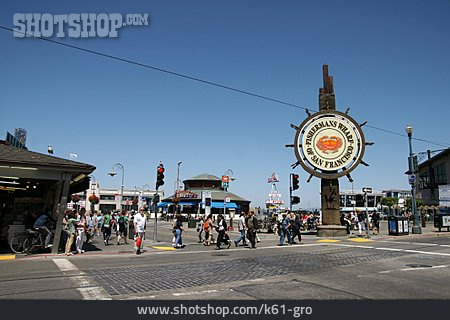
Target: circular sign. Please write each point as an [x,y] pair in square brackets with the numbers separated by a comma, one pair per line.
[412,179]
[329,144]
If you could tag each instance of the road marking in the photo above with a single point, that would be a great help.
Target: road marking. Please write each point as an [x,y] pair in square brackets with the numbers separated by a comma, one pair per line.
[424,244]
[388,249]
[431,253]
[65,265]
[412,269]
[83,283]
[328,240]
[191,293]
[163,248]
[257,280]
[360,240]
[7,257]
[395,249]
[354,246]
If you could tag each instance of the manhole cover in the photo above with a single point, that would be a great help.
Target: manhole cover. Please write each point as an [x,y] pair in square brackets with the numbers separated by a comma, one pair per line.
[419,266]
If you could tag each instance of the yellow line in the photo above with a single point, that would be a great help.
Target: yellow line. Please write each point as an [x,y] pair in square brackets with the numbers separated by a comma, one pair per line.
[328,240]
[360,240]
[8,257]
[164,248]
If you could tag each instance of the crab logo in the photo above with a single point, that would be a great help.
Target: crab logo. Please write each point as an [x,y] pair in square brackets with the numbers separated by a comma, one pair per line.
[328,144]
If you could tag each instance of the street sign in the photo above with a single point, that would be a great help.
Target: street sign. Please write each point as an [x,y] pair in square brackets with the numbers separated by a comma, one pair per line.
[367,190]
[225,185]
[227,199]
[412,178]
[225,178]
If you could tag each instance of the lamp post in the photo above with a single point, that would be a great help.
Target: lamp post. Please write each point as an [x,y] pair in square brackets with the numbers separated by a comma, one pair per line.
[227,174]
[178,177]
[178,184]
[112,173]
[416,229]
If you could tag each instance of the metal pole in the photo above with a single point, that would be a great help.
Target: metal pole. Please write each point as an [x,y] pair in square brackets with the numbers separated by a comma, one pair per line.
[416,229]
[121,188]
[290,192]
[367,216]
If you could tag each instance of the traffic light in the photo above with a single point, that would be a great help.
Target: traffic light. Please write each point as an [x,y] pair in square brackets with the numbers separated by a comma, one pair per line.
[159,176]
[295,181]
[295,200]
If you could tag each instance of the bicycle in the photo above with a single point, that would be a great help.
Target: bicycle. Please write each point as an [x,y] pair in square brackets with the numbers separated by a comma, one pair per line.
[34,241]
[16,243]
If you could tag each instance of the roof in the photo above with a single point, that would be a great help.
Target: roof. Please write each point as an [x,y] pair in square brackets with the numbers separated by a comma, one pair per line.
[437,157]
[16,156]
[217,195]
[204,177]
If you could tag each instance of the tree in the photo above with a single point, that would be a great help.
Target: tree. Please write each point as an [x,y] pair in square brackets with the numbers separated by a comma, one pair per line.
[389,202]
[408,203]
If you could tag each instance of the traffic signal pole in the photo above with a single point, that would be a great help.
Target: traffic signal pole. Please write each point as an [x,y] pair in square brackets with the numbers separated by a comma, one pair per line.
[290,192]
[159,182]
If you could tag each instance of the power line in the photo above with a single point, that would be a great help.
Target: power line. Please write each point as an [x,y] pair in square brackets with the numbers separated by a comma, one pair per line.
[215,84]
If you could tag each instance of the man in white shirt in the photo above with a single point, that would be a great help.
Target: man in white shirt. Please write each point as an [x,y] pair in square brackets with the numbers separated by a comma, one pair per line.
[139,225]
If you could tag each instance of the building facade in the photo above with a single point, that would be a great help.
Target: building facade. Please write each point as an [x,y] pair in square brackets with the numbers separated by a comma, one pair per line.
[110,198]
[354,201]
[432,173]
[191,199]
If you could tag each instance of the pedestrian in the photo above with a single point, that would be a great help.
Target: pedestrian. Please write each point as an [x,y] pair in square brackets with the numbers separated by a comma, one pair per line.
[71,230]
[122,224]
[200,223]
[375,223]
[178,231]
[346,221]
[251,224]
[207,228]
[241,229]
[89,228]
[81,230]
[285,225]
[361,223]
[139,221]
[99,223]
[221,229]
[106,227]
[296,224]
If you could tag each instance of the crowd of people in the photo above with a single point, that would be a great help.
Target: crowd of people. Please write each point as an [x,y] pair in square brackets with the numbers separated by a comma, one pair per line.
[82,228]
[357,221]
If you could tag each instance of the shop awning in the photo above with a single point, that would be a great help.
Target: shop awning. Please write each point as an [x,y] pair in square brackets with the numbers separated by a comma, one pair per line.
[187,203]
[230,205]
[163,204]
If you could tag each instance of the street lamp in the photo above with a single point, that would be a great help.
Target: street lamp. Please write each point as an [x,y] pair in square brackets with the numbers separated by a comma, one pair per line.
[112,173]
[416,229]
[178,177]
[229,174]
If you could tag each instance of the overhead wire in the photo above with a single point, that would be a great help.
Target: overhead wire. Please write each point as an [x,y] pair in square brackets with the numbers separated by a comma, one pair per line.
[211,83]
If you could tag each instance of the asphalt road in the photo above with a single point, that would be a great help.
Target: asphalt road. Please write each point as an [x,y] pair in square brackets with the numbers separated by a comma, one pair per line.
[408,267]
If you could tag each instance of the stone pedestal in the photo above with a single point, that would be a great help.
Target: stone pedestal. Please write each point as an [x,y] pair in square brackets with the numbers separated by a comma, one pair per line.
[331,231]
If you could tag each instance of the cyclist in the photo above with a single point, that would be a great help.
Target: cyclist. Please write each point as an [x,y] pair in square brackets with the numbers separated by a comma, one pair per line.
[43,223]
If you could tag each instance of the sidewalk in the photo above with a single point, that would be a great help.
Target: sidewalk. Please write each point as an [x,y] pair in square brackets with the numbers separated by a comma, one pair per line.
[190,239]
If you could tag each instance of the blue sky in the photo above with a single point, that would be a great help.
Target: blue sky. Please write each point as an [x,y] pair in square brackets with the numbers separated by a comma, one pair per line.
[389,60]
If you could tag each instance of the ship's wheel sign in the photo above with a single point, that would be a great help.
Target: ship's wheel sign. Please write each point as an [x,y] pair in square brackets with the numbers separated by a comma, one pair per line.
[329,144]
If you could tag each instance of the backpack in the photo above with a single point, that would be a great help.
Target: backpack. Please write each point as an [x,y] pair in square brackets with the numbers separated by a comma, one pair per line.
[206,225]
[121,220]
